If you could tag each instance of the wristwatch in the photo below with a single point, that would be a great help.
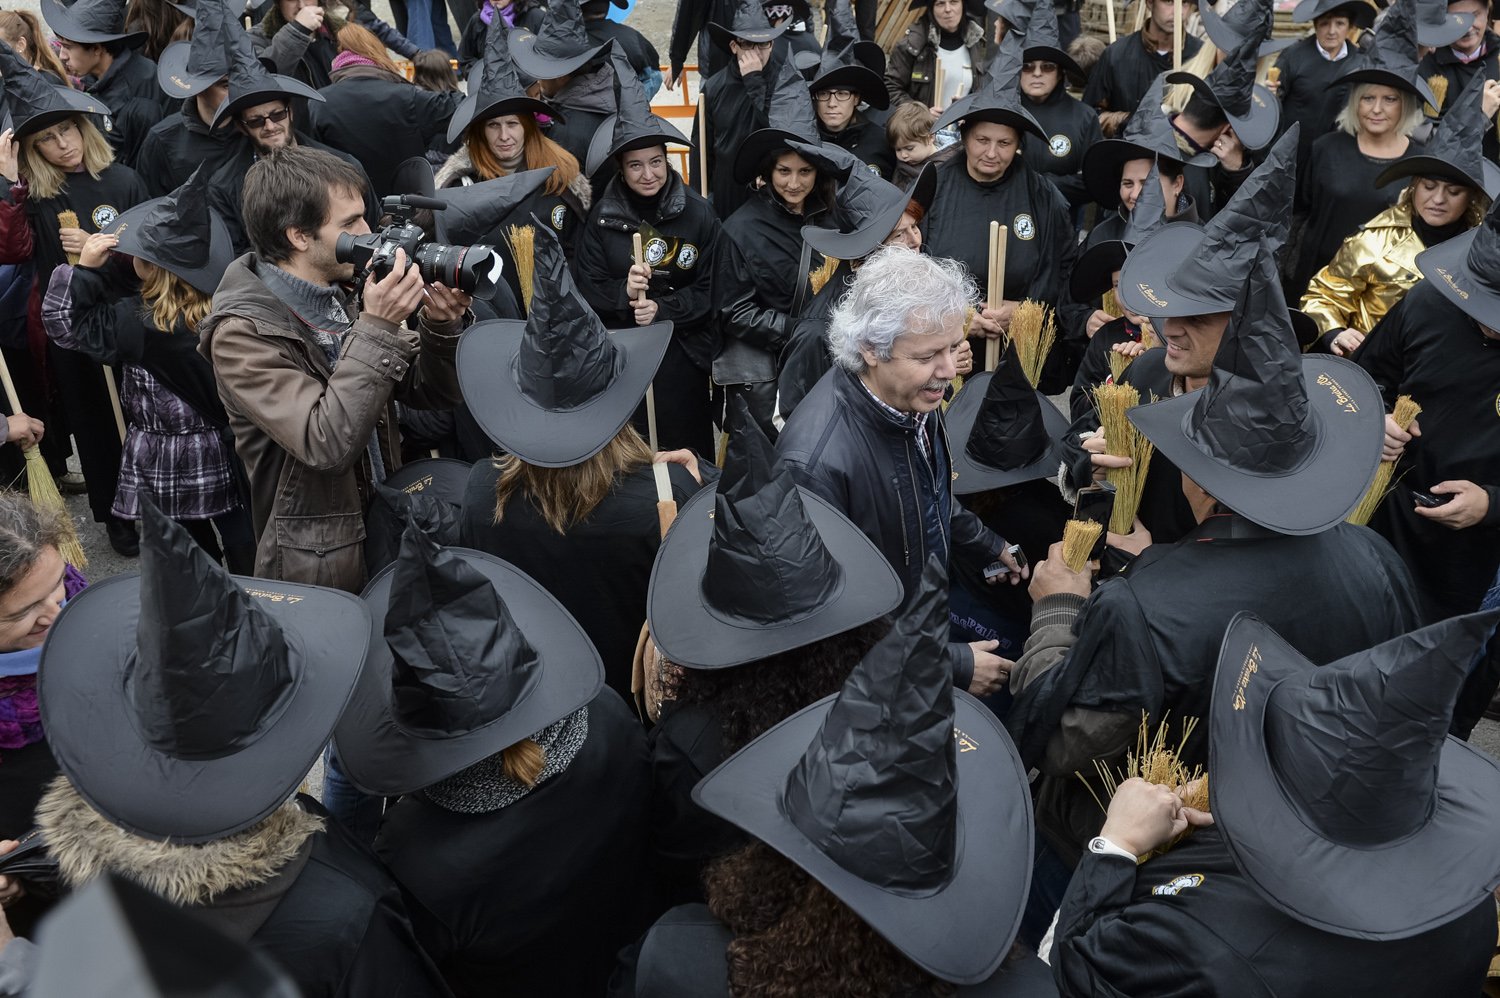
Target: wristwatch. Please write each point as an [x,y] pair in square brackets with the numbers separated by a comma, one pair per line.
[1104,847]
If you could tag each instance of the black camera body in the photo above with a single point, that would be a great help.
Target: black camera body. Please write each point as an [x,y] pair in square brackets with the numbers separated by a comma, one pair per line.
[472,269]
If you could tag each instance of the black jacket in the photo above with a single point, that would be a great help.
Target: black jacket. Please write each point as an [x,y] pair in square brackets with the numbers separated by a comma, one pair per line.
[805,358]
[599,570]
[1072,127]
[691,25]
[636,48]
[866,140]
[583,104]
[1428,348]
[178,144]
[686,745]
[846,448]
[537,897]
[1309,91]
[684,956]
[1126,71]
[135,101]
[1442,62]
[379,120]
[1189,923]
[228,189]
[471,44]
[737,106]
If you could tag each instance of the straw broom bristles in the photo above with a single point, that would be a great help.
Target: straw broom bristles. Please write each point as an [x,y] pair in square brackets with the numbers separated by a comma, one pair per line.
[68,220]
[1157,764]
[819,277]
[1404,412]
[1439,85]
[1033,331]
[523,250]
[42,489]
[1109,303]
[1117,364]
[1078,541]
[1123,440]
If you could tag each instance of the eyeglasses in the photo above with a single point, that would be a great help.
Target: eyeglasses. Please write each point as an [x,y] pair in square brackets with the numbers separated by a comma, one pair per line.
[258,122]
[753,46]
[1039,67]
[825,96]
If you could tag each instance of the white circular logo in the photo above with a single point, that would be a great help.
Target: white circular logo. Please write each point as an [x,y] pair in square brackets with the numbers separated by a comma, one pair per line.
[656,251]
[103,215]
[1060,145]
[559,215]
[1023,227]
[687,256]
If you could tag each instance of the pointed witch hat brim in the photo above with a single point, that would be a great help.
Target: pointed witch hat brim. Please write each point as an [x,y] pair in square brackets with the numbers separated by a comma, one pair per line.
[68,103]
[1226,39]
[173,77]
[540,67]
[97,742]
[959,932]
[1255,130]
[210,271]
[276,87]
[760,144]
[969,476]
[65,23]
[691,633]
[723,36]
[1445,31]
[859,243]
[1361,13]
[972,109]
[1349,419]
[552,438]
[1396,891]
[1104,161]
[857,77]
[1429,166]
[604,146]
[470,111]
[384,758]
[1446,267]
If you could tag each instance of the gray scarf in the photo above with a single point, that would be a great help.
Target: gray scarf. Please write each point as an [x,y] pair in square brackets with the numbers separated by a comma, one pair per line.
[484,787]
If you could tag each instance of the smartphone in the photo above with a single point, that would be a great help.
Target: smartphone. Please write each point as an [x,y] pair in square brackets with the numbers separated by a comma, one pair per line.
[997,568]
[1429,500]
[1097,503]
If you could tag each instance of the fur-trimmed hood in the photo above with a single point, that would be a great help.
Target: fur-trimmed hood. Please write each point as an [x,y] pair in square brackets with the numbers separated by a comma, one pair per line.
[460,170]
[85,845]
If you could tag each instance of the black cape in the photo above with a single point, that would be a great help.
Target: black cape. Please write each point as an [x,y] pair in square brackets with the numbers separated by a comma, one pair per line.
[380,121]
[737,106]
[135,100]
[180,143]
[1126,70]
[1310,92]
[866,140]
[1072,127]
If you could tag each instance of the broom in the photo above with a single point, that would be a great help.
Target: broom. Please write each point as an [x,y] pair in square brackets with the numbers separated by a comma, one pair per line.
[1404,412]
[1439,85]
[1155,763]
[1033,331]
[1078,541]
[68,220]
[1109,303]
[818,278]
[42,488]
[1123,440]
[523,250]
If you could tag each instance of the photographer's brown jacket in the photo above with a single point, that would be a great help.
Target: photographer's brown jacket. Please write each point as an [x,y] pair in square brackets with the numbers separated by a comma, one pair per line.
[303,429]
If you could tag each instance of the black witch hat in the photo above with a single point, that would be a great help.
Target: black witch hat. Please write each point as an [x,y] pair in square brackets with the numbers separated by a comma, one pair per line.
[760,566]
[140,945]
[901,796]
[1437,27]
[206,722]
[1253,111]
[998,98]
[1147,135]
[789,115]
[1015,13]
[251,84]
[1288,443]
[497,90]
[1466,269]
[1339,792]
[475,656]
[1002,430]
[1361,13]
[474,211]
[1455,150]
[1393,60]
[1094,272]
[33,102]
[749,24]
[90,22]
[179,233]
[1188,269]
[555,389]
[848,62]
[1245,18]
[868,208]
[632,126]
[1044,42]
[188,68]
[559,47]
[429,492]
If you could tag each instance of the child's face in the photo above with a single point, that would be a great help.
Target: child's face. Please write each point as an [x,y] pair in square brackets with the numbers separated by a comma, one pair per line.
[916,150]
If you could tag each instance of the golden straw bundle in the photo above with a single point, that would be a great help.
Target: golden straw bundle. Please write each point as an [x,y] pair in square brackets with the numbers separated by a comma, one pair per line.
[68,220]
[1109,303]
[1117,364]
[819,277]
[1078,540]
[523,250]
[1033,330]
[1404,412]
[1123,440]
[1439,85]
[1155,763]
[1273,75]
[40,486]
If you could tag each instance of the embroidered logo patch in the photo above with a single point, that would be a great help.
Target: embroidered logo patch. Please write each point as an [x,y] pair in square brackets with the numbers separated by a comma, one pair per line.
[1177,885]
[559,215]
[1023,227]
[104,214]
[1060,145]
[656,252]
[687,256]
[964,742]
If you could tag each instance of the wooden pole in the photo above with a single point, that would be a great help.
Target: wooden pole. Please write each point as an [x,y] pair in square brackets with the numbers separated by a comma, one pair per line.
[998,234]
[1109,12]
[702,140]
[1176,34]
[114,399]
[937,85]
[1140,15]
[666,508]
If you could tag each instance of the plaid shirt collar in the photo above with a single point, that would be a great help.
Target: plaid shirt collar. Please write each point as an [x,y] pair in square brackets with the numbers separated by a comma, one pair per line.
[916,421]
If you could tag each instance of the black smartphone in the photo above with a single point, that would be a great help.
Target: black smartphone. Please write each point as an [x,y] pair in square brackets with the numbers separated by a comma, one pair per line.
[1097,503]
[1429,500]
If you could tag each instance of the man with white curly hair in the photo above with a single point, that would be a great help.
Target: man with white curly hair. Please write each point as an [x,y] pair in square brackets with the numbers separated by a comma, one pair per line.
[869,436]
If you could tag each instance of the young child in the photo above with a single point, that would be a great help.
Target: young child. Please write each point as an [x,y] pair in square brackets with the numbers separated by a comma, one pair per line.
[909,132]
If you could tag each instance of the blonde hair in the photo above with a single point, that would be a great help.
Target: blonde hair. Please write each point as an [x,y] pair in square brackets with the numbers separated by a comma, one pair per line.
[169,299]
[565,496]
[1411,110]
[523,762]
[24,25]
[46,180]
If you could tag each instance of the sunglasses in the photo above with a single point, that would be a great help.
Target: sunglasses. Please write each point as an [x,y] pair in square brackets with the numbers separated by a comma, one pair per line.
[258,122]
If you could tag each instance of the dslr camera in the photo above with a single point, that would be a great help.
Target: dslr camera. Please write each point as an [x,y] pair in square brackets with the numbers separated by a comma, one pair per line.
[472,269]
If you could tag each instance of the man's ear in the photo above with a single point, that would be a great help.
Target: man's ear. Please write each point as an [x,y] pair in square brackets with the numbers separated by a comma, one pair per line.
[300,239]
[870,357]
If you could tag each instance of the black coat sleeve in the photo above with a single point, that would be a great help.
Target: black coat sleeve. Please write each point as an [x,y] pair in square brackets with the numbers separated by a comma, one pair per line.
[105,328]
[1383,353]
[741,314]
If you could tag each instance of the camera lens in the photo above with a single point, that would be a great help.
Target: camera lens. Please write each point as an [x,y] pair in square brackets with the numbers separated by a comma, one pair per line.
[472,269]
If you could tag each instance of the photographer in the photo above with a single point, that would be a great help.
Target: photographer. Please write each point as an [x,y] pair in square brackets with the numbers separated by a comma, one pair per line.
[309,379]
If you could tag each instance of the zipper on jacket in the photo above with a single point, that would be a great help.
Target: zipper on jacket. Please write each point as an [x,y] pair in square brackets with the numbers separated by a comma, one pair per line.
[901,508]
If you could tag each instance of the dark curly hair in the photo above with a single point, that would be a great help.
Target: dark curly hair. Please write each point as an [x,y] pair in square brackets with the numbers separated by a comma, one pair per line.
[753,697]
[792,937]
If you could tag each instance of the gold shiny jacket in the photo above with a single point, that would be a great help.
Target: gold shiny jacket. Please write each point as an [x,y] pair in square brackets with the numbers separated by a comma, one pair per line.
[1367,276]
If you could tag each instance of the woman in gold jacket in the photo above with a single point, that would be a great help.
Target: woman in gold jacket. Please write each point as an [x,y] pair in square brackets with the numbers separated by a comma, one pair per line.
[1452,186]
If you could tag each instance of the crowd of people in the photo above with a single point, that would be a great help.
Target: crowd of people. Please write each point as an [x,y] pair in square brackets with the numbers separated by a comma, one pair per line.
[694,582]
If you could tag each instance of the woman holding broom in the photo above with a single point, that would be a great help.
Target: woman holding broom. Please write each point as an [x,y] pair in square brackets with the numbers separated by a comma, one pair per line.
[63,185]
